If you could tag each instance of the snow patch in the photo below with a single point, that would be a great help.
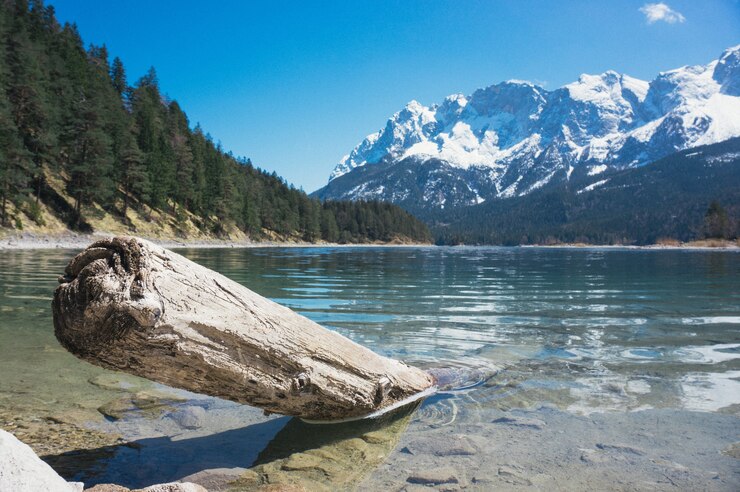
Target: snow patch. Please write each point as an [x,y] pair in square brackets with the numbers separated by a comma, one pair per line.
[592,186]
[594,170]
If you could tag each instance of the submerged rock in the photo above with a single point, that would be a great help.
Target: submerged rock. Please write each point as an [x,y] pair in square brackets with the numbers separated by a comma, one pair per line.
[521,422]
[108,487]
[450,445]
[118,382]
[160,487]
[435,476]
[732,450]
[148,402]
[215,479]
[21,470]
[511,475]
[620,448]
[174,487]
[325,457]
[190,417]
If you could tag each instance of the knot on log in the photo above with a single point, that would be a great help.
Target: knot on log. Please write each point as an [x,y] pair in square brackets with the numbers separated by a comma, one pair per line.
[301,384]
[382,388]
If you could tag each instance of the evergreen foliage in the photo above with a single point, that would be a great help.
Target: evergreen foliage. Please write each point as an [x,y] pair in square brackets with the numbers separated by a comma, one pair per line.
[693,194]
[67,112]
[716,222]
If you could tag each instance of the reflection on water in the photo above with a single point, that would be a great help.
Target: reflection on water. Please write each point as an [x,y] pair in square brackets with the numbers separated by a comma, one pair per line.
[506,328]
[327,457]
[279,451]
[597,329]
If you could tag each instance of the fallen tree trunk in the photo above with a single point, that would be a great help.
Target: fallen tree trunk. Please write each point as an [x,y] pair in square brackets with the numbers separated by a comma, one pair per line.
[127,304]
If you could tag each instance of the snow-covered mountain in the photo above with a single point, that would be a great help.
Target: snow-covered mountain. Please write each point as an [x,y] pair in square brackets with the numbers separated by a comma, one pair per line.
[514,137]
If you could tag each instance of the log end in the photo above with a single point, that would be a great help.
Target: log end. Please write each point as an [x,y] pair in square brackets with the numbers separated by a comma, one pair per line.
[102,297]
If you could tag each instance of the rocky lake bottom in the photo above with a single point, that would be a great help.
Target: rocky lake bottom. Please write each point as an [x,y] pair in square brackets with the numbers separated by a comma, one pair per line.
[558,370]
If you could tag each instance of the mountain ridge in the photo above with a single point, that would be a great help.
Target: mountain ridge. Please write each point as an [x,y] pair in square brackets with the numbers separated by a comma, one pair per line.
[515,137]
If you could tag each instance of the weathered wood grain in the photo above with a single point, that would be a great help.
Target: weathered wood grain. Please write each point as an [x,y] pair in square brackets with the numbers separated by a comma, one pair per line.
[129,305]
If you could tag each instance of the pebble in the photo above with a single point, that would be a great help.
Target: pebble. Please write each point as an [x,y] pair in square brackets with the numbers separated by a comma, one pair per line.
[175,487]
[732,450]
[521,422]
[512,476]
[621,448]
[436,476]
[108,487]
[454,445]
[190,417]
[592,457]
[215,478]
[115,382]
[143,401]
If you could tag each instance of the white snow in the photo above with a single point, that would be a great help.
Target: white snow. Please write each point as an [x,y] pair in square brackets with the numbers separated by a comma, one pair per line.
[638,87]
[519,82]
[510,190]
[723,111]
[594,170]
[592,186]
[539,184]
[728,157]
[603,120]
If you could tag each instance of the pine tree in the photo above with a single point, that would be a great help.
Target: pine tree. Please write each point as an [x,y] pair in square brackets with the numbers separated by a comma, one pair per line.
[716,222]
[13,178]
[25,86]
[134,179]
[182,155]
[150,113]
[118,77]
[89,162]
[329,228]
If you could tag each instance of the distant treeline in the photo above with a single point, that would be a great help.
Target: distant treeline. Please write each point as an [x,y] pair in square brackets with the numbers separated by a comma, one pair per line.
[693,194]
[68,114]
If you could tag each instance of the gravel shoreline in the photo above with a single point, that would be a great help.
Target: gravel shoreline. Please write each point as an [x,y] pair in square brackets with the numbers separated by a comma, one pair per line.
[72,240]
[80,241]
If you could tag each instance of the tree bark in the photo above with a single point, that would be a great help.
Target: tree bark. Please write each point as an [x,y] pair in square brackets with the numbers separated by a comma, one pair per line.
[127,304]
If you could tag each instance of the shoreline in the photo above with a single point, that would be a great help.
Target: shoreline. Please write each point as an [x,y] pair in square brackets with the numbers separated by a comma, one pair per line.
[701,245]
[80,241]
[71,240]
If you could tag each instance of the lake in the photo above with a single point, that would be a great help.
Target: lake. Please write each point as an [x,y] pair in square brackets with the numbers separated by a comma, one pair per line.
[574,369]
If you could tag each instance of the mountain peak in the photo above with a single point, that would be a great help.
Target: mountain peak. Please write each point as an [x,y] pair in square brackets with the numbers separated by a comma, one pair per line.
[513,137]
[458,99]
[731,51]
[727,71]
[414,106]
[519,82]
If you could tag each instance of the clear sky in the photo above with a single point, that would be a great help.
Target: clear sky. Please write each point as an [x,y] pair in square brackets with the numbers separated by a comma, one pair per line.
[296,85]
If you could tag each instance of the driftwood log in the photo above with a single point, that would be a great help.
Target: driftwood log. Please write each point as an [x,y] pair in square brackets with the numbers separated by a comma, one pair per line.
[127,304]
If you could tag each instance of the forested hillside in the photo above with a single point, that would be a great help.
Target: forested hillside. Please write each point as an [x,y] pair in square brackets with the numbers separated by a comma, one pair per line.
[690,195]
[82,149]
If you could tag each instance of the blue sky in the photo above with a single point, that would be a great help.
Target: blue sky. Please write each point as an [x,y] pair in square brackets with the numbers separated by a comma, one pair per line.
[296,85]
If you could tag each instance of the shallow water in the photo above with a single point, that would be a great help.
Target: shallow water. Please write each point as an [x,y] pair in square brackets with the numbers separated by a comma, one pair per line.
[548,333]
